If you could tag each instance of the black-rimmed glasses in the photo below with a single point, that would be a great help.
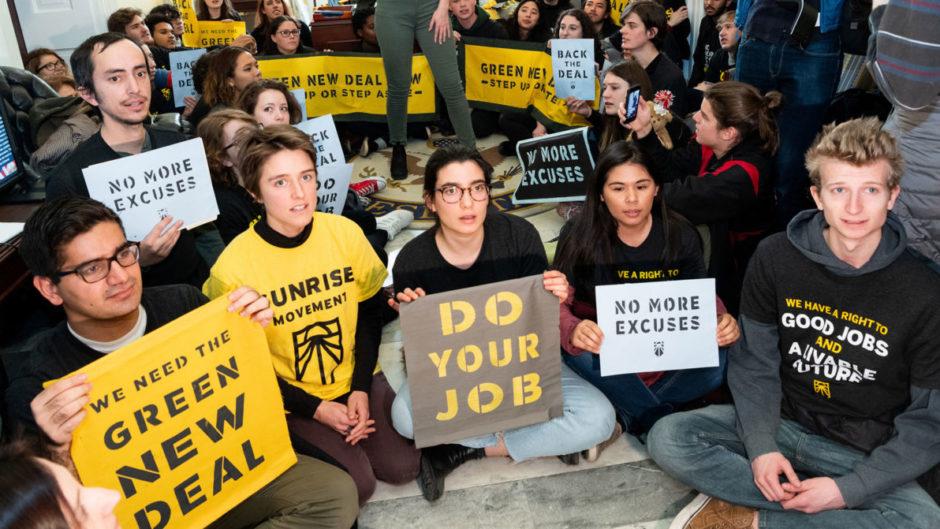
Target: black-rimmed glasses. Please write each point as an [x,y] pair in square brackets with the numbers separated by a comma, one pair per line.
[452,194]
[98,269]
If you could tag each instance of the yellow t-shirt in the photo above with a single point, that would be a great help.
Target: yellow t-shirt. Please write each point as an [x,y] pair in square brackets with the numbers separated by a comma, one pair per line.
[315,290]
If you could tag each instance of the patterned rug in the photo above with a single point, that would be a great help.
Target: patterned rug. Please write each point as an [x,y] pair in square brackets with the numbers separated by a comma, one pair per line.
[407,193]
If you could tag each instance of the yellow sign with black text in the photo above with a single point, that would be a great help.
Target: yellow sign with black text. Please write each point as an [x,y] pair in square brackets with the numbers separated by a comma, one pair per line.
[213,33]
[186,422]
[188,15]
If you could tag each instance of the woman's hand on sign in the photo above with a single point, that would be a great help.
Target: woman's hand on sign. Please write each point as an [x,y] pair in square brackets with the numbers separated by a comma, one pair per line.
[728,330]
[555,282]
[60,408]
[578,106]
[357,409]
[334,415]
[406,296]
[587,336]
[642,125]
[189,104]
[440,23]
[678,16]
[160,241]
[248,303]
[539,130]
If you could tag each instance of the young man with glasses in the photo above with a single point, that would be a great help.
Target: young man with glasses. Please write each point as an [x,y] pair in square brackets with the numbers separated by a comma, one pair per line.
[112,74]
[82,261]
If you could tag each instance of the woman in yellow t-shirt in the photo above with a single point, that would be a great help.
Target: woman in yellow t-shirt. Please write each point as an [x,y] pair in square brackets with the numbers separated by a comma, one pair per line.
[324,282]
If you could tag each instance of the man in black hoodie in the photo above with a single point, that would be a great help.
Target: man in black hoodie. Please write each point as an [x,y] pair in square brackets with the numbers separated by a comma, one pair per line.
[836,378]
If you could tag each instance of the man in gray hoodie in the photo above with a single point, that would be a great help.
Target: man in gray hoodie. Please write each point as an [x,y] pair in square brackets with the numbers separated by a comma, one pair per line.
[836,378]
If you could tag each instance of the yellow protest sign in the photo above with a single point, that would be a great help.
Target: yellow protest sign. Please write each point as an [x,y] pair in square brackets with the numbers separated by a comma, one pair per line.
[350,86]
[186,422]
[617,7]
[212,33]
[188,14]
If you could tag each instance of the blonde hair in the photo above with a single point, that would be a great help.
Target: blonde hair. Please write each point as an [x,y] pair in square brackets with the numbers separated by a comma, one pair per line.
[858,142]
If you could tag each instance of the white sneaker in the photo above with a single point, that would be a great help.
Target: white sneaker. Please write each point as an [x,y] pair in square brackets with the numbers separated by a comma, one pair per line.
[394,222]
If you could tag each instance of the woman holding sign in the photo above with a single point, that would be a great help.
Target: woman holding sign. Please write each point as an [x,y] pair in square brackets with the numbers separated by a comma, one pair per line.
[627,234]
[324,282]
[468,247]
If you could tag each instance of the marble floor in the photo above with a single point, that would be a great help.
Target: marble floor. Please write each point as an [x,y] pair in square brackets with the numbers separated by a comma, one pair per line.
[623,489]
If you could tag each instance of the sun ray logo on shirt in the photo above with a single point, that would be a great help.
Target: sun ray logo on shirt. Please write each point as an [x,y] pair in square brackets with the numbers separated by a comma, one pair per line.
[325,339]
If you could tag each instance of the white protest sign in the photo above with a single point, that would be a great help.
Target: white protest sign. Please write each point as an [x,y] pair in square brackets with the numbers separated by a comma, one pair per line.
[657,326]
[301,96]
[573,67]
[181,71]
[332,184]
[142,189]
[322,132]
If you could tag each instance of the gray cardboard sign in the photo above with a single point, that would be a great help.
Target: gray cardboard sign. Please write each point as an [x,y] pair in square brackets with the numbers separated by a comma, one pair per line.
[482,360]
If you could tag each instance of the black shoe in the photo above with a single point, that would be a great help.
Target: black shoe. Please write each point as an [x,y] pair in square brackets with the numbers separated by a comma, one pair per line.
[507,148]
[399,165]
[429,480]
[439,461]
[570,459]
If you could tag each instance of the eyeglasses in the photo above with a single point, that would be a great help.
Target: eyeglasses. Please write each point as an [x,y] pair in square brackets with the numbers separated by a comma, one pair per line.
[452,194]
[94,271]
[54,65]
[289,32]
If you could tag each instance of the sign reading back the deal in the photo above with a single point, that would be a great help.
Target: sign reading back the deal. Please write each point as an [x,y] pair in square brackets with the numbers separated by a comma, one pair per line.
[186,422]
[573,67]
[322,132]
[144,188]
[657,326]
[555,167]
[181,70]
[482,360]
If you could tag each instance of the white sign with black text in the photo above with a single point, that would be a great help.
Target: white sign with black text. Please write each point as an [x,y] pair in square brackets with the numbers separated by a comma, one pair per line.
[322,132]
[142,189]
[332,184]
[574,68]
[181,71]
[657,326]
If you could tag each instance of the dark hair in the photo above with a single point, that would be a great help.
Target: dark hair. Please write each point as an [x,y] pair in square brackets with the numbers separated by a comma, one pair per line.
[591,236]
[201,68]
[359,18]
[31,62]
[587,27]
[261,144]
[512,23]
[228,11]
[122,17]
[54,225]
[269,47]
[30,497]
[216,89]
[652,15]
[453,154]
[249,98]
[262,19]
[743,107]
[168,10]
[635,75]
[156,18]
[211,130]
[83,66]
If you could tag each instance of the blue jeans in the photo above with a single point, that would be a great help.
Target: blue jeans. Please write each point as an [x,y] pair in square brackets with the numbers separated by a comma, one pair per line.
[807,78]
[702,449]
[639,406]
[588,420]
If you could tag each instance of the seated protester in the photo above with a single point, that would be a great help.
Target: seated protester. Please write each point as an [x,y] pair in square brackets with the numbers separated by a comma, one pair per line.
[676,43]
[470,20]
[64,86]
[82,261]
[363,25]
[161,27]
[627,225]
[471,246]
[721,67]
[36,493]
[345,413]
[832,435]
[520,125]
[168,254]
[267,11]
[643,34]
[270,103]
[724,178]
[550,11]
[525,24]
[129,22]
[46,64]
[707,44]
[284,38]
[599,13]
[222,133]
[161,90]
[176,19]
[230,70]
[216,10]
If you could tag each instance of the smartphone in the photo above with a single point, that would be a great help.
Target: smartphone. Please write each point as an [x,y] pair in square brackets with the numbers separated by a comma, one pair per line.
[633,103]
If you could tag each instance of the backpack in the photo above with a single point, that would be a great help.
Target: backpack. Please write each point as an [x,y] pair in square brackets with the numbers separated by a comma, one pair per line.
[48,115]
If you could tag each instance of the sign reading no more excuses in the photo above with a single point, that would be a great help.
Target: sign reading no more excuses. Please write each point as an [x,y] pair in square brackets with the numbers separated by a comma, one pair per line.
[657,326]
[482,360]
[555,167]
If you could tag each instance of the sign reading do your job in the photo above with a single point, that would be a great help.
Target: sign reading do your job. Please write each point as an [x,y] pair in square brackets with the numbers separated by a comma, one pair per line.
[142,189]
[186,422]
[657,326]
[482,360]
